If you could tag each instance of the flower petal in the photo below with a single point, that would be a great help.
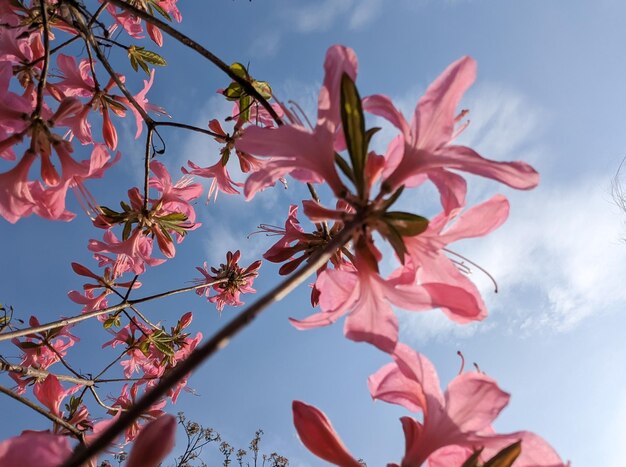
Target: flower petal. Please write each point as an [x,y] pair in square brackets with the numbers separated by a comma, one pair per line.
[318,435]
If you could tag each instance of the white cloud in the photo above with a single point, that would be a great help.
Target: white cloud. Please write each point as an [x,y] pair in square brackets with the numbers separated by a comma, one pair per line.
[364,12]
[562,244]
[559,258]
[315,17]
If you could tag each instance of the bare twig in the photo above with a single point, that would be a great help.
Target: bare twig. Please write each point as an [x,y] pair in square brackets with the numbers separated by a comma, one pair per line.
[82,317]
[42,374]
[59,421]
[46,58]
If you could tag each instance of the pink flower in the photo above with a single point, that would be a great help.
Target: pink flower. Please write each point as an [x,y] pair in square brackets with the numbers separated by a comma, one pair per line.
[318,435]
[106,282]
[309,156]
[460,417]
[154,442]
[141,99]
[236,280]
[448,287]
[137,249]
[359,291]
[427,148]
[126,400]
[221,178]
[51,394]
[34,448]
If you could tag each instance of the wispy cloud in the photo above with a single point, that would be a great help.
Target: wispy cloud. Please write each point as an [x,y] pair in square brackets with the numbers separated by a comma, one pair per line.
[315,17]
[559,258]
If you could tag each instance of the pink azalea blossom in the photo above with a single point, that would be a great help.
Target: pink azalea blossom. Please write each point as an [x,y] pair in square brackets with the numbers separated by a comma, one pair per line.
[236,280]
[141,99]
[427,148]
[361,293]
[42,350]
[126,400]
[460,417]
[137,249]
[106,282]
[318,435]
[154,442]
[35,448]
[309,156]
[51,394]
[448,287]
[45,449]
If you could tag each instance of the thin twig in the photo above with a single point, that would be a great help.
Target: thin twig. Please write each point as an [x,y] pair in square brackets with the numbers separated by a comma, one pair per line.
[217,342]
[189,127]
[46,58]
[101,403]
[125,304]
[59,421]
[146,168]
[185,40]
[42,374]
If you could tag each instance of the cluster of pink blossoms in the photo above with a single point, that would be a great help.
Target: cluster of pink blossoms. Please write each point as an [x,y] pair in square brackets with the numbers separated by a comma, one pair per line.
[422,151]
[366,185]
[48,112]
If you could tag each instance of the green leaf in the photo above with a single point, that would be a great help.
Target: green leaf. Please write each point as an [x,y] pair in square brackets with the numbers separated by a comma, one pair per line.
[344,166]
[406,223]
[263,88]
[108,211]
[394,237]
[370,133]
[140,57]
[29,345]
[393,198]
[244,107]
[506,456]
[133,61]
[234,92]
[174,216]
[353,123]
[158,8]
[127,230]
[150,57]
[164,348]
[240,70]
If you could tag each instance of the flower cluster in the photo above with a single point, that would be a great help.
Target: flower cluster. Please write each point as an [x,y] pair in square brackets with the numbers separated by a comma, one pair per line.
[368,184]
[229,281]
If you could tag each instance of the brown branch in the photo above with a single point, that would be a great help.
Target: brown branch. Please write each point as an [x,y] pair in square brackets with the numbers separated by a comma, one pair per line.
[59,421]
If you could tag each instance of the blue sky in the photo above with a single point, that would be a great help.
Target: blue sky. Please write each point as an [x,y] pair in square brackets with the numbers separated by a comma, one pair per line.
[550,91]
